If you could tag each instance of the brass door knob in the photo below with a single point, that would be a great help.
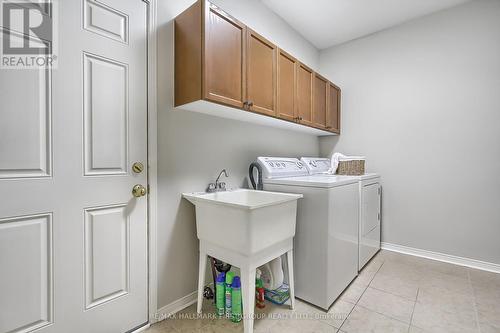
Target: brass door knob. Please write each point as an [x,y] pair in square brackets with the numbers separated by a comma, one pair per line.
[139,191]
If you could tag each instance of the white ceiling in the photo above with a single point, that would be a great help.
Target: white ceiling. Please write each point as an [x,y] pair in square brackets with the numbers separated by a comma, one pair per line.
[329,22]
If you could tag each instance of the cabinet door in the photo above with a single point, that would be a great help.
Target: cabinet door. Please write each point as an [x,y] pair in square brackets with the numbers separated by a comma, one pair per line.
[333,109]
[287,84]
[224,66]
[319,101]
[304,94]
[261,74]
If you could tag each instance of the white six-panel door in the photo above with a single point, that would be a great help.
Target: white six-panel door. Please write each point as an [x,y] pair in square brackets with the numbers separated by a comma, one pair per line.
[73,238]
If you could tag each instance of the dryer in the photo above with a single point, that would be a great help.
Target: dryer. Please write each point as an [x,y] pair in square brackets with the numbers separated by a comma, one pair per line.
[370,192]
[326,239]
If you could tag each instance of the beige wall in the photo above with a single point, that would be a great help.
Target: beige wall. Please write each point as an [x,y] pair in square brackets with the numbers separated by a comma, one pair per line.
[421,101]
[193,148]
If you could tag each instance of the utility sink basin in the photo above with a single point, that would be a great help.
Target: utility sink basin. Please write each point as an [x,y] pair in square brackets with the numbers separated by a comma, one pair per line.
[245,221]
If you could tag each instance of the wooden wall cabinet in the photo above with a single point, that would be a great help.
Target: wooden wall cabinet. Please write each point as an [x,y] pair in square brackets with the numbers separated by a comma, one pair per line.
[224,58]
[209,56]
[320,101]
[220,60]
[333,108]
[287,86]
[261,74]
[305,77]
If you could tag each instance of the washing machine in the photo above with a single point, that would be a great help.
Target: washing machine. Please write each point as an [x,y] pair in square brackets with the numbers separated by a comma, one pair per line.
[326,239]
[370,191]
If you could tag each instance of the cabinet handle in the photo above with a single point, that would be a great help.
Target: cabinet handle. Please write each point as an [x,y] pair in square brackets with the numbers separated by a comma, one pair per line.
[247,104]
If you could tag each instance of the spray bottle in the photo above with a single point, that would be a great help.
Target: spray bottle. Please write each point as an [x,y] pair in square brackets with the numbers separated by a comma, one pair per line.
[236,300]
[259,291]
[229,281]
[220,296]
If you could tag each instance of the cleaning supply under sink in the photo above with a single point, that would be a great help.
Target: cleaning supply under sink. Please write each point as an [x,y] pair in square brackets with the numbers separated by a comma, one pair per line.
[236,300]
[229,281]
[272,274]
[259,291]
[278,296]
[276,291]
[220,297]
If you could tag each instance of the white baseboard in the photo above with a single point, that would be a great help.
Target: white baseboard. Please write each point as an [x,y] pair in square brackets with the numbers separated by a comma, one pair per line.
[472,263]
[142,328]
[174,307]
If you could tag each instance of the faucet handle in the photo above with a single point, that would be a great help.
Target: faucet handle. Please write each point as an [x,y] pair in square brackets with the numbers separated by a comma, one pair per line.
[221,186]
[211,188]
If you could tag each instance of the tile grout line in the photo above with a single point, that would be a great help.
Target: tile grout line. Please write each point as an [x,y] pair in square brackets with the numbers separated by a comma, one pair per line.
[413,311]
[369,284]
[393,294]
[355,304]
[382,314]
[343,322]
[385,315]
[474,301]
[388,292]
[373,277]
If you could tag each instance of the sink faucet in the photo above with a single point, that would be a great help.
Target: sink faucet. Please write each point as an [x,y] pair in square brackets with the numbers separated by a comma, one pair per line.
[218,186]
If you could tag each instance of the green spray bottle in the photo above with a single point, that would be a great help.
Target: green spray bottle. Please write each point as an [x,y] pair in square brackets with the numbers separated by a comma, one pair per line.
[220,297]
[236,300]
[229,281]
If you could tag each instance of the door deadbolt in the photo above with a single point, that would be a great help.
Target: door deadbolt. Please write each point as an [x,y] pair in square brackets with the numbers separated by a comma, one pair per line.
[138,167]
[138,191]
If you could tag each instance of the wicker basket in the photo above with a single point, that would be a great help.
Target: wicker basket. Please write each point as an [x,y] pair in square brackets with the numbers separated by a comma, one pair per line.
[351,167]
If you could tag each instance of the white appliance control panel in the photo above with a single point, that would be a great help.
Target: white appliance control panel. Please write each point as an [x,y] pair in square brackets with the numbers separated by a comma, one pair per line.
[278,167]
[316,165]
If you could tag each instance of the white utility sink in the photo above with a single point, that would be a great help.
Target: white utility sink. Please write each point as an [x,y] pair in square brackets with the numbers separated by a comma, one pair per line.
[245,221]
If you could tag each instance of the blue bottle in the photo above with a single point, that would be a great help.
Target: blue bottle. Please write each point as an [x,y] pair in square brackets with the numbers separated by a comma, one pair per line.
[220,297]
[236,300]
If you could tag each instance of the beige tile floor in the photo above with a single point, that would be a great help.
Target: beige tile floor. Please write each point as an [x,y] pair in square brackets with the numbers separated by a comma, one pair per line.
[393,293]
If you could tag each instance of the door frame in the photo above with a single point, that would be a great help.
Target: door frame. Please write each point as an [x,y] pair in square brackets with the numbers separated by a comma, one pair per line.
[152,121]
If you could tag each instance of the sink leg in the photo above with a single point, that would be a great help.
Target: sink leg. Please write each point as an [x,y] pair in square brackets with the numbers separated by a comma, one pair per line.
[201,279]
[289,257]
[248,294]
